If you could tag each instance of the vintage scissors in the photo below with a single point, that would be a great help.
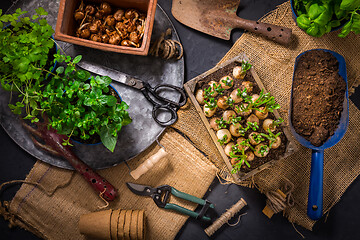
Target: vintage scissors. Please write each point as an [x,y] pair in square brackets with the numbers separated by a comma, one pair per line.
[161,196]
[160,104]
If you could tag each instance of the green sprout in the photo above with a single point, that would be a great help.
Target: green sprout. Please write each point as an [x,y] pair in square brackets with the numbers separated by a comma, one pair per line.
[240,156]
[230,102]
[211,103]
[223,140]
[253,125]
[277,122]
[271,137]
[221,123]
[218,88]
[227,81]
[235,120]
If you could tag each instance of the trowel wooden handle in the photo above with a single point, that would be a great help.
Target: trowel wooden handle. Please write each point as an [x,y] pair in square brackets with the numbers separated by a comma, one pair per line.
[148,164]
[276,33]
[99,184]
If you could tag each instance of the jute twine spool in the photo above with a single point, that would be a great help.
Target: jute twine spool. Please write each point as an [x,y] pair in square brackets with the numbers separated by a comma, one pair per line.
[166,48]
[280,199]
[225,217]
[114,224]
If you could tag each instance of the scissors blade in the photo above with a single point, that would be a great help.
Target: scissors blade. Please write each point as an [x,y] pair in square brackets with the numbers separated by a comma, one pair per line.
[113,74]
[139,189]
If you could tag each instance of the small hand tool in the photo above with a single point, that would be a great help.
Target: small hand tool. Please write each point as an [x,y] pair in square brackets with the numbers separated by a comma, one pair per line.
[161,196]
[315,197]
[218,18]
[160,104]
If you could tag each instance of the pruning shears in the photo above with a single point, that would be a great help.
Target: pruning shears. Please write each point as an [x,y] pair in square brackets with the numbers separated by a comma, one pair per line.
[161,195]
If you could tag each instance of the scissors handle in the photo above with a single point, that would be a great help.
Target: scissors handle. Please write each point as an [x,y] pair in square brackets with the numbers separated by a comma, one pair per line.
[156,91]
[163,105]
[165,108]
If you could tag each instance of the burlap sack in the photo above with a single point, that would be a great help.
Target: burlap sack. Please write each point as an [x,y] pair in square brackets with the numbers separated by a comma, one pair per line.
[55,212]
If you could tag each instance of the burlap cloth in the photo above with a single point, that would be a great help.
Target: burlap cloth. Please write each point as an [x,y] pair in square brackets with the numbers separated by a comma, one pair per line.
[52,209]
[56,216]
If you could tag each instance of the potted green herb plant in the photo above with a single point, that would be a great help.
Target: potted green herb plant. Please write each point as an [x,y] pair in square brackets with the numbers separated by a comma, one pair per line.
[83,106]
[317,17]
[25,50]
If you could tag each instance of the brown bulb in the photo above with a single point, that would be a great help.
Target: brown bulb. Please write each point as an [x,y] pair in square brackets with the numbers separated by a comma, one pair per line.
[90,9]
[94,28]
[84,33]
[119,14]
[134,37]
[105,38]
[99,14]
[125,43]
[95,37]
[110,20]
[115,39]
[106,8]
[79,16]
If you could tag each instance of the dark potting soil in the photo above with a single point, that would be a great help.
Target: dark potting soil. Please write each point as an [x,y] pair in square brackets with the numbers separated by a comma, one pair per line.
[318,95]
[274,154]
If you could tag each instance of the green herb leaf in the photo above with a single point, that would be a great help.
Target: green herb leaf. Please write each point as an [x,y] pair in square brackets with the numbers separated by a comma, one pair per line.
[60,70]
[349,5]
[41,11]
[77,59]
[303,21]
[107,138]
[314,11]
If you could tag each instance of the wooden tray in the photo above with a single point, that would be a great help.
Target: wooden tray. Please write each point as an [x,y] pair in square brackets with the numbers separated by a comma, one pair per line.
[191,87]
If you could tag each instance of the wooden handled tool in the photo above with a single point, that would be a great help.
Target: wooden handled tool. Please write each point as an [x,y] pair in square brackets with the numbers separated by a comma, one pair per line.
[148,164]
[218,18]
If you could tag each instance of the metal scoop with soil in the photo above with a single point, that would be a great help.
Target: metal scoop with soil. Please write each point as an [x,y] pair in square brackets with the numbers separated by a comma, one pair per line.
[318,97]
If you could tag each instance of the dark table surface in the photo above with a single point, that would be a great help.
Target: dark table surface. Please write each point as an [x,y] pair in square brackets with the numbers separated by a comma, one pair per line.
[202,52]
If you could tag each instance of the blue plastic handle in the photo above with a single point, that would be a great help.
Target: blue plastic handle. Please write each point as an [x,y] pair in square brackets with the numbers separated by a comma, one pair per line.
[315,199]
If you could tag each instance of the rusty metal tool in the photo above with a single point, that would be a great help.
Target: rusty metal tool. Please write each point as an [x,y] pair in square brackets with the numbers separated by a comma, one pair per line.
[218,18]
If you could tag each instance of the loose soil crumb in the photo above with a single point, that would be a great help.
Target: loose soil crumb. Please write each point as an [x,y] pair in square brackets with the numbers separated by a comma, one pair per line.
[318,95]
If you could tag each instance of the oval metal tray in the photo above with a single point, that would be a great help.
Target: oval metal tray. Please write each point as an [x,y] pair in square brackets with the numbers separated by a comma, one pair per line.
[133,138]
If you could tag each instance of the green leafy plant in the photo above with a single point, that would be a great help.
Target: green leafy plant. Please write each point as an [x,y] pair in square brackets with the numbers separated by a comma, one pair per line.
[263,150]
[240,156]
[228,81]
[218,88]
[211,103]
[245,66]
[210,91]
[222,124]
[317,17]
[235,120]
[277,122]
[265,99]
[230,102]
[253,125]
[24,53]
[223,139]
[244,95]
[81,105]
[271,137]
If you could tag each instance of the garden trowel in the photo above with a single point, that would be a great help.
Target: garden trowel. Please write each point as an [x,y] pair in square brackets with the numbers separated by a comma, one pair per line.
[218,18]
